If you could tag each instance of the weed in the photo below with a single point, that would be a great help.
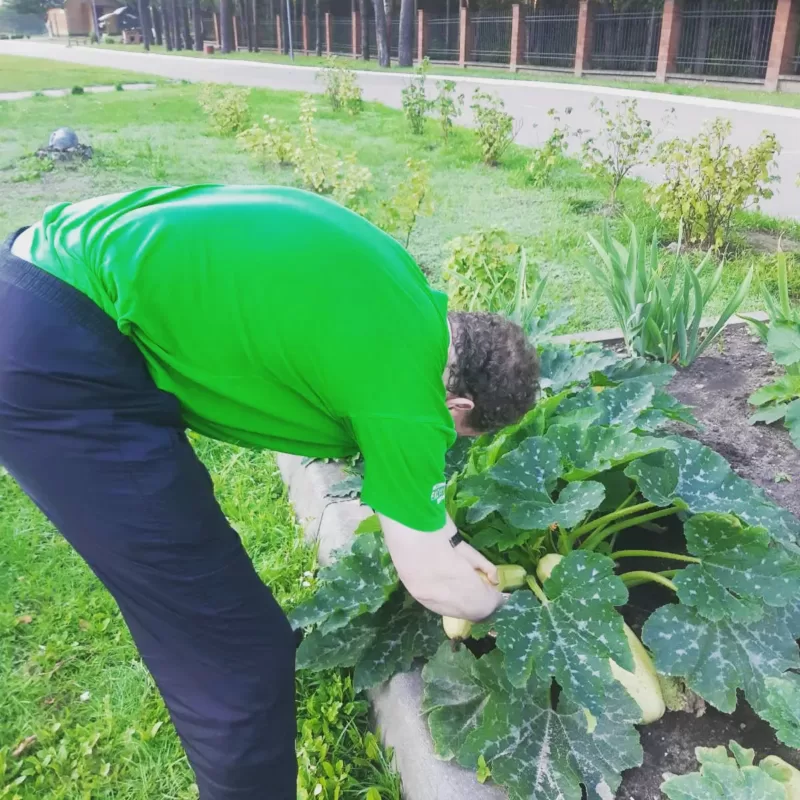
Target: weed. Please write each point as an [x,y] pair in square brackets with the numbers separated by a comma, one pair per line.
[496,128]
[341,86]
[226,108]
[447,105]
[411,200]
[415,102]
[77,90]
[270,144]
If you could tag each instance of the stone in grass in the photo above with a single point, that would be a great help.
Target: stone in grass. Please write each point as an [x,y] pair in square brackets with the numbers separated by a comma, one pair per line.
[64,146]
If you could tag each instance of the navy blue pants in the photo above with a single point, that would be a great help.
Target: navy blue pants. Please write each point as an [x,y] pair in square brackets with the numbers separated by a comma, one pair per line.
[103,453]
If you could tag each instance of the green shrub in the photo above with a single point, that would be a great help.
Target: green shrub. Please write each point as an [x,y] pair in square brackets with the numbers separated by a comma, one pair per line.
[547,158]
[108,39]
[341,86]
[415,102]
[225,107]
[659,313]
[31,168]
[77,90]
[481,271]
[623,142]
[708,180]
[320,168]
[270,144]
[495,127]
[411,200]
[447,106]
[119,87]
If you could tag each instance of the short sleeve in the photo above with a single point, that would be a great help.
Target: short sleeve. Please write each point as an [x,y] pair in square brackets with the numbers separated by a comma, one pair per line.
[404,466]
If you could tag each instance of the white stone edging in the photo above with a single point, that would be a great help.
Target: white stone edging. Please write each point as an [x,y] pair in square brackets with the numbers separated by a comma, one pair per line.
[397,704]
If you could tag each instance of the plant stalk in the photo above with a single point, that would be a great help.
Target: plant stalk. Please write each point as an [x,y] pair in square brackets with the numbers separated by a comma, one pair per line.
[624,511]
[601,535]
[638,577]
[654,554]
[537,590]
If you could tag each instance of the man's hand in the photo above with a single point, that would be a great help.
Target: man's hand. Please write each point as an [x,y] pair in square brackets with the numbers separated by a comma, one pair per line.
[443,578]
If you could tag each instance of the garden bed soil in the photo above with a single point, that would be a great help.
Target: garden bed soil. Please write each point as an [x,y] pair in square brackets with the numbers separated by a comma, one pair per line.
[717,386]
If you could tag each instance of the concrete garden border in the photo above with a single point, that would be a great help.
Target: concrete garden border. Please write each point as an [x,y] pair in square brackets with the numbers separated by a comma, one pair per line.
[330,523]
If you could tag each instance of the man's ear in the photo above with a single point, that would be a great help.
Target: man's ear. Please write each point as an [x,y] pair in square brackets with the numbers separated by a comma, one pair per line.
[463,404]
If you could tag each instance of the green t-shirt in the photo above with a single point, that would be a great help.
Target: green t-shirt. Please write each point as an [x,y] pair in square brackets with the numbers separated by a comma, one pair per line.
[279,320]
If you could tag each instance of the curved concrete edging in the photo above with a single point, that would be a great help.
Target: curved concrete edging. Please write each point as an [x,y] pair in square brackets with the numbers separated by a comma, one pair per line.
[397,704]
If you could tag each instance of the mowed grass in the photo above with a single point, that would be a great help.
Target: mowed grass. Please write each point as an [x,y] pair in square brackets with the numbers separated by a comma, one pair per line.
[698,89]
[72,678]
[21,74]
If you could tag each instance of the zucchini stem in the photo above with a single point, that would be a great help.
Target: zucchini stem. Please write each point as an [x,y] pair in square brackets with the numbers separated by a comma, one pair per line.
[624,511]
[601,535]
[537,590]
[654,554]
[640,576]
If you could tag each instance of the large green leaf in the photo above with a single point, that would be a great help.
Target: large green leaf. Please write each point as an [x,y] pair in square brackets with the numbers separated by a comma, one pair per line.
[782,709]
[587,451]
[785,388]
[616,405]
[792,421]
[520,486]
[358,582]
[717,658]
[378,645]
[535,751]
[655,372]
[783,341]
[738,565]
[724,778]
[696,477]
[769,414]
[562,366]
[573,635]
[665,408]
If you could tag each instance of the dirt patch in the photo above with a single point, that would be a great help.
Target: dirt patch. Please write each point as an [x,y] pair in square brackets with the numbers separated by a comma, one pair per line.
[717,386]
[767,242]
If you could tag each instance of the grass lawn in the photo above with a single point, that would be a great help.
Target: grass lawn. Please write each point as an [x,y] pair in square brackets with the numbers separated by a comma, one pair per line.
[20,74]
[744,95]
[60,635]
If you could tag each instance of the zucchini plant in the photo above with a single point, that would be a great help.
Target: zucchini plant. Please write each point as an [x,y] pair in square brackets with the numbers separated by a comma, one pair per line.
[577,491]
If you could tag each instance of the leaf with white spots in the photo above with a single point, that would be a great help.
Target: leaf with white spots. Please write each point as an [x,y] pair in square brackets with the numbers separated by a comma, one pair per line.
[717,658]
[724,778]
[587,451]
[782,709]
[615,405]
[695,477]
[739,569]
[533,750]
[665,408]
[636,367]
[359,581]
[562,366]
[520,487]
[571,637]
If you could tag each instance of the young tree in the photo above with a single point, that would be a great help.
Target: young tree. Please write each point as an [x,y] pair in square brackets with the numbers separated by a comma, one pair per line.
[175,25]
[158,24]
[381,40]
[197,25]
[405,45]
[187,33]
[144,21]
[166,19]
[225,23]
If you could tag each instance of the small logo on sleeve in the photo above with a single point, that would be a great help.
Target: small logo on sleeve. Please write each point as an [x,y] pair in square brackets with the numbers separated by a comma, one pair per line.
[437,495]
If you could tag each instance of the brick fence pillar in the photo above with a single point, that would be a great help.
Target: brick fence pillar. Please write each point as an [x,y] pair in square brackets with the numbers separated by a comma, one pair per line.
[422,35]
[784,42]
[328,32]
[279,32]
[235,33]
[670,39]
[355,33]
[216,29]
[305,33]
[517,36]
[583,46]
[464,37]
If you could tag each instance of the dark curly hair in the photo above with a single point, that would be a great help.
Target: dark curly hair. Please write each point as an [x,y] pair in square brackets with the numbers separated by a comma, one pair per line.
[495,366]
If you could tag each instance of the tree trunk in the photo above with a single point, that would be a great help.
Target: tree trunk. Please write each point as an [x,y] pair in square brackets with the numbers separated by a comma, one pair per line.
[157,26]
[241,11]
[197,24]
[175,27]
[387,13]
[144,21]
[225,22]
[701,49]
[317,28]
[254,23]
[405,45]
[167,19]
[447,25]
[187,32]
[381,41]
[363,10]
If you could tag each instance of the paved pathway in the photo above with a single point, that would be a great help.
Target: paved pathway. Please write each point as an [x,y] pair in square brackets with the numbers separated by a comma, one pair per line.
[529,101]
[128,87]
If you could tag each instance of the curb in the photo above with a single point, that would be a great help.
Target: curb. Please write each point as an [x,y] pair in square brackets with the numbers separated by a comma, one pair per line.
[396,704]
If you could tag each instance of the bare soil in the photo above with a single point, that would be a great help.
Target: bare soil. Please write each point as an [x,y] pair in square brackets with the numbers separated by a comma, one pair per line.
[717,386]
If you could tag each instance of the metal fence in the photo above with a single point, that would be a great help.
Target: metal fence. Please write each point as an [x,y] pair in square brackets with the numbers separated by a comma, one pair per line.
[443,38]
[341,35]
[550,39]
[726,42]
[626,40]
[297,32]
[268,33]
[207,23]
[14,24]
[490,37]
[796,62]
